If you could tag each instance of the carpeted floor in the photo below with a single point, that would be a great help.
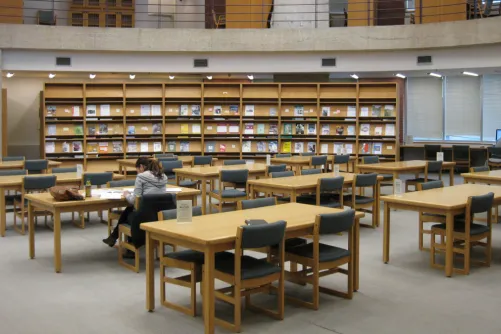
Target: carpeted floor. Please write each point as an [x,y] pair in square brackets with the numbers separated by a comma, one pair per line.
[95,295]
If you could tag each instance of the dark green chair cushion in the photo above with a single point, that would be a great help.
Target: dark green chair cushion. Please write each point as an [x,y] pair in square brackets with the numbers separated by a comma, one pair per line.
[327,253]
[250,267]
[230,193]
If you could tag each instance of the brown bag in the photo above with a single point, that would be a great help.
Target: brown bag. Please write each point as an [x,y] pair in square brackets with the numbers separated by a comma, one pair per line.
[65,193]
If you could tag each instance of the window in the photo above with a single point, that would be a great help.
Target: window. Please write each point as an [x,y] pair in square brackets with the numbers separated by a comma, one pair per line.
[462,108]
[424,108]
[491,98]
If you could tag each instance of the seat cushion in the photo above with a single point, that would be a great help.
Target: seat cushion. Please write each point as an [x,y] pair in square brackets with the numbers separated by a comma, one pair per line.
[9,199]
[327,253]
[460,228]
[420,180]
[291,243]
[117,211]
[495,160]
[433,215]
[359,199]
[187,256]
[187,183]
[250,268]
[230,193]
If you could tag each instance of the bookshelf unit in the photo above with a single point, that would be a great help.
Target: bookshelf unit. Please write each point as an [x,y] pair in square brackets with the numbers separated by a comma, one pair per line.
[95,124]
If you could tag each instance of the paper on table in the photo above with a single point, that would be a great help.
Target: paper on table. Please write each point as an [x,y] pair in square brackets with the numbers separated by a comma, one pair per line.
[173,190]
[112,194]
[105,110]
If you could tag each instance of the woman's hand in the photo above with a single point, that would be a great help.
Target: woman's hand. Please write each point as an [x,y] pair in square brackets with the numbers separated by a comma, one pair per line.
[126,193]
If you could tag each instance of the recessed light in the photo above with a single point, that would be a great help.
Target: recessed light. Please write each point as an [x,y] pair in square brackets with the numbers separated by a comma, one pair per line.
[132,76]
[52,75]
[354,76]
[10,75]
[471,74]
[209,77]
[92,76]
[436,75]
[250,76]
[400,75]
[172,77]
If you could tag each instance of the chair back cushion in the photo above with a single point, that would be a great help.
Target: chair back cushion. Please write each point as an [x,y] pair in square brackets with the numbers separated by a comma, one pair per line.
[331,183]
[365,180]
[202,160]
[319,160]
[172,214]
[97,179]
[46,17]
[461,152]
[481,203]
[434,166]
[494,152]
[64,170]
[13,172]
[36,165]
[257,203]
[431,185]
[121,183]
[164,156]
[257,236]
[430,151]
[13,158]
[480,169]
[370,160]
[169,166]
[235,176]
[307,154]
[341,159]
[233,162]
[283,155]
[311,171]
[276,168]
[331,223]
[287,173]
[39,182]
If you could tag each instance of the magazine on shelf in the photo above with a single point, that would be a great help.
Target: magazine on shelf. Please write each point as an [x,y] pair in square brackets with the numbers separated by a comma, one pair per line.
[287,129]
[364,112]
[365,129]
[76,111]
[103,129]
[286,146]
[51,111]
[298,147]
[222,128]
[171,146]
[195,110]
[132,146]
[376,110]
[273,112]
[195,128]
[145,110]
[249,110]
[218,110]
[312,129]
[339,130]
[312,147]
[326,129]
[210,146]
[377,148]
[144,147]
[156,110]
[299,110]
[92,148]
[157,128]
[246,146]
[184,146]
[273,146]
[234,109]
[348,148]
[389,130]
[117,147]
[324,148]
[273,130]
[78,130]
[51,130]
[365,148]
[378,131]
[249,128]
[338,148]
[352,111]
[232,128]
[260,129]
[388,110]
[50,147]
[299,129]
[77,147]
[104,110]
[131,130]
[183,110]
[351,130]
[157,147]
[222,147]
[91,110]
[326,111]
[66,147]
[103,147]
[261,146]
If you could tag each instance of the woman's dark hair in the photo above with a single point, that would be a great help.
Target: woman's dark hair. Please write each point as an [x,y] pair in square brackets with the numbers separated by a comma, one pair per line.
[142,161]
[151,165]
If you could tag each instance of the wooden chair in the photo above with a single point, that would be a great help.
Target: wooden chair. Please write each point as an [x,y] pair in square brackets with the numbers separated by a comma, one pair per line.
[98,180]
[233,162]
[319,260]
[320,162]
[46,17]
[205,160]
[361,202]
[14,158]
[341,159]
[38,166]
[387,178]
[461,156]
[9,198]
[431,167]
[169,166]
[275,169]
[425,217]
[329,193]
[58,170]
[256,203]
[494,156]
[31,184]
[130,235]
[236,178]
[219,20]
[247,275]
[188,260]
[467,234]
[114,214]
[430,151]
[275,175]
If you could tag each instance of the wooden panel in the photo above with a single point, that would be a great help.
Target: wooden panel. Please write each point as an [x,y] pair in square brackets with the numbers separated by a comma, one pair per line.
[238,14]
[452,10]
[299,92]
[390,12]
[143,91]
[12,11]
[63,110]
[430,11]
[260,91]
[223,91]
[5,138]
[338,92]
[104,91]
[259,13]
[378,91]
[65,91]
[360,13]
[183,91]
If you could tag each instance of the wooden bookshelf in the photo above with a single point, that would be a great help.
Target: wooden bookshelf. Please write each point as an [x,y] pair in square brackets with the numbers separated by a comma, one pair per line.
[98,123]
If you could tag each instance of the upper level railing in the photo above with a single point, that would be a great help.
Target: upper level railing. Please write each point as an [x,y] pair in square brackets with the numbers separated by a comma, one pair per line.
[260,14]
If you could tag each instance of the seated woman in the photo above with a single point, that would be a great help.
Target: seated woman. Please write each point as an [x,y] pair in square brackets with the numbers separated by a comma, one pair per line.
[150,180]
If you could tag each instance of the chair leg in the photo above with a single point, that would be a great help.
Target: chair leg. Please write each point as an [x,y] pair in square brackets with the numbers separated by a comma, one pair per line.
[237,307]
[488,251]
[316,287]
[432,249]
[420,232]
[467,251]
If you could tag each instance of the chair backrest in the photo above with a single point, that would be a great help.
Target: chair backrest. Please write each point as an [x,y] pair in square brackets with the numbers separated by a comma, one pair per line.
[233,162]
[461,152]
[287,173]
[479,169]
[36,165]
[430,151]
[257,203]
[318,160]
[202,160]
[331,183]
[12,172]
[121,183]
[169,166]
[97,179]
[330,223]
[480,203]
[311,171]
[64,170]
[494,152]
[257,236]
[283,155]
[276,168]
[234,176]
[39,182]
[370,160]
[164,156]
[172,214]
[13,158]
[46,17]
[164,161]
[307,154]
[430,185]
[341,159]
[365,180]
[434,166]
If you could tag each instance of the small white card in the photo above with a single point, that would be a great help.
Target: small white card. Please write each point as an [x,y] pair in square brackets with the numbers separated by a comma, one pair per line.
[440,156]
[184,211]
[268,159]
[399,187]
[79,170]
[336,170]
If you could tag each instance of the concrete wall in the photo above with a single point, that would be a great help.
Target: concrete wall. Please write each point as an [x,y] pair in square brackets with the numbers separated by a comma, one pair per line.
[301,14]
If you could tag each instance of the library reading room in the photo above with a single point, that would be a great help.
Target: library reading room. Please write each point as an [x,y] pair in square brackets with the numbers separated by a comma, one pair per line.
[228,166]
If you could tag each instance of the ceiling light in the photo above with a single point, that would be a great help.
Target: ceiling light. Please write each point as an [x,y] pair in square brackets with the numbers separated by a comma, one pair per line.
[354,76]
[250,76]
[400,75]
[52,75]
[132,76]
[10,75]
[435,75]
[92,76]
[209,77]
[172,77]
[470,74]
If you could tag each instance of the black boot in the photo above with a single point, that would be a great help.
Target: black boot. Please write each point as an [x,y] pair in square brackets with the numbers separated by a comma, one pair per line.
[110,241]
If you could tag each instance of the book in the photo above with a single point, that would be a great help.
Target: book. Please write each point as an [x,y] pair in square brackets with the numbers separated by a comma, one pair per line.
[273,129]
[338,148]
[184,146]
[233,109]
[185,129]
[50,147]
[246,146]
[388,110]
[364,112]
[156,110]
[171,146]
[76,111]
[145,110]
[351,130]
[352,111]
[273,111]
[312,147]
[104,110]
[326,111]
[66,147]
[103,129]
[183,110]
[222,128]
[376,110]
[377,148]
[378,131]
[249,110]
[273,146]
[348,148]
[365,148]
[298,147]
[260,129]
[92,148]
[218,110]
[77,146]
[117,147]
[299,129]
[195,128]
[249,128]
[326,129]
[389,130]
[339,130]
[365,129]
[299,110]
[195,110]
[103,147]
[78,130]
[157,128]
[51,130]
[312,129]
[232,128]
[324,148]
[91,110]
[287,129]
[157,147]
[210,146]
[132,146]
[261,146]
[222,147]
[51,111]
[91,130]
[144,147]
[131,130]
[286,147]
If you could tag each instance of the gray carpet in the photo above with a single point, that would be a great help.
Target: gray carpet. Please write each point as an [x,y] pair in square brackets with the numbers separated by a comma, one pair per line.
[96,295]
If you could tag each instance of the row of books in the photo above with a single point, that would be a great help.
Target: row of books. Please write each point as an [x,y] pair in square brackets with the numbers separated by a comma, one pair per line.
[298,147]
[261,146]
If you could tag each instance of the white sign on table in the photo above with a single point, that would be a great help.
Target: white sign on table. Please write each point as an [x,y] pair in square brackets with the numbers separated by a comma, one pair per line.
[336,170]
[399,187]
[440,156]
[184,211]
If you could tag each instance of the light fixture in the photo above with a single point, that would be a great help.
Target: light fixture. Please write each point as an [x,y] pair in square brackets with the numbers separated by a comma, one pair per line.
[52,75]
[250,76]
[209,77]
[354,76]
[172,77]
[92,76]
[400,75]
[10,75]
[436,75]
[471,74]
[132,76]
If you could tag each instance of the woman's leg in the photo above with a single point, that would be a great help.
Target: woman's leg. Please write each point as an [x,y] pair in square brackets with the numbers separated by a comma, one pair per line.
[122,220]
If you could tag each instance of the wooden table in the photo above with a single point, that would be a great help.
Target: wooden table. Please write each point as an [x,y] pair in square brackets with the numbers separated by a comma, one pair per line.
[298,162]
[123,164]
[490,177]
[20,164]
[205,174]
[215,233]
[46,202]
[448,201]
[15,182]
[398,167]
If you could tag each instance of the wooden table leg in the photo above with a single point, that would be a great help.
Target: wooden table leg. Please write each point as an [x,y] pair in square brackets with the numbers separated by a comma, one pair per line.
[386,233]
[3,212]
[208,294]
[449,244]
[451,176]
[356,247]
[251,192]
[203,197]
[150,273]
[378,203]
[293,196]
[31,229]
[395,176]
[194,200]
[57,240]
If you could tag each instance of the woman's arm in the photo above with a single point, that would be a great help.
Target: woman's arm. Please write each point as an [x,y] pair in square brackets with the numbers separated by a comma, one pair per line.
[138,191]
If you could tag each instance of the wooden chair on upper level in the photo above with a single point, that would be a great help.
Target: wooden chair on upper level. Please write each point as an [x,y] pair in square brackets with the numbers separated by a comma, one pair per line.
[219,20]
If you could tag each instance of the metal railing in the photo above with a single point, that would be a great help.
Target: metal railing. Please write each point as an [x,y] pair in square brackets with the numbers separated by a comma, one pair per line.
[261,14]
